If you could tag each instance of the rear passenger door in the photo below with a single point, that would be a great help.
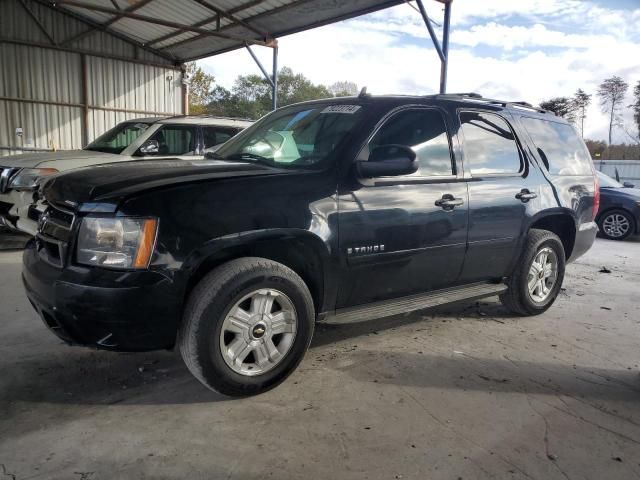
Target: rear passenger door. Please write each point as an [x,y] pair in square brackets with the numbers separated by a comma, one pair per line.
[499,193]
[397,237]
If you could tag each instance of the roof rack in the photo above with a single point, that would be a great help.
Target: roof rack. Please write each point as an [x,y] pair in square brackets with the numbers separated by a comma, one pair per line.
[480,98]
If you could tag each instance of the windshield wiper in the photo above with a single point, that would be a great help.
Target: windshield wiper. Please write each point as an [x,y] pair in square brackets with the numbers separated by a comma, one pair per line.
[250,157]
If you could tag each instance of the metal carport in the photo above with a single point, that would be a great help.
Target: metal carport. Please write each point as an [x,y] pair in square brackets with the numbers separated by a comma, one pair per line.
[71,69]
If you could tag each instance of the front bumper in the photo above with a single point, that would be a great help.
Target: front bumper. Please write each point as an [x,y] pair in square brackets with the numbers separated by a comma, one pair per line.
[585,236]
[111,310]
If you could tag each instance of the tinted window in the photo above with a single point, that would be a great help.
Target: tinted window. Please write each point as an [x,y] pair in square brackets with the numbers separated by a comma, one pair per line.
[175,140]
[216,135]
[489,144]
[425,132]
[559,147]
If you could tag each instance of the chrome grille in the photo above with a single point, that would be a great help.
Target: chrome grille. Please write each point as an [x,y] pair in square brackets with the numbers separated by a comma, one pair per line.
[54,235]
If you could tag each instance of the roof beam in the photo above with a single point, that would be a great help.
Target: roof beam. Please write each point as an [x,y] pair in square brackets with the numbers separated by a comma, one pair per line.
[35,18]
[118,16]
[156,21]
[206,21]
[113,33]
[232,17]
[275,11]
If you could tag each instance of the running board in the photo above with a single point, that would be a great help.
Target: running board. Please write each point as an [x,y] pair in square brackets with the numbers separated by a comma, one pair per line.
[396,306]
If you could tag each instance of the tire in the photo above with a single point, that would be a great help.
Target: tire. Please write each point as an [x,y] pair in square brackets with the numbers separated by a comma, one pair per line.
[616,224]
[217,321]
[518,298]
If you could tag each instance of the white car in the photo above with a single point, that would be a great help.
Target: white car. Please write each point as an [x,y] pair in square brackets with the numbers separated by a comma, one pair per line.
[184,137]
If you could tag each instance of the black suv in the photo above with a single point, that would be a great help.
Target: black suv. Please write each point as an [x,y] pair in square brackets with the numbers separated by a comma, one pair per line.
[352,208]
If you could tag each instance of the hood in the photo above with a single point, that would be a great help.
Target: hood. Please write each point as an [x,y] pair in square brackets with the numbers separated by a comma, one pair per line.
[102,188]
[632,193]
[32,160]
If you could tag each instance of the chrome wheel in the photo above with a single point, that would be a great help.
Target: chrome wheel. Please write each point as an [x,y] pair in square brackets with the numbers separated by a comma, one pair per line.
[258,332]
[616,225]
[543,274]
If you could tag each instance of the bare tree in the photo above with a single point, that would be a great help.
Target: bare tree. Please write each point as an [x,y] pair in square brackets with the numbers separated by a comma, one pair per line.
[612,92]
[581,100]
[635,107]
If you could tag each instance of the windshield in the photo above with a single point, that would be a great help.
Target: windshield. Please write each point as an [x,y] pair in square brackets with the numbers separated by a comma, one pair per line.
[607,182]
[118,138]
[298,137]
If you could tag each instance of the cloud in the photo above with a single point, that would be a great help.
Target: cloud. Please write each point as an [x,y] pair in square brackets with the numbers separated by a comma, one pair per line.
[526,50]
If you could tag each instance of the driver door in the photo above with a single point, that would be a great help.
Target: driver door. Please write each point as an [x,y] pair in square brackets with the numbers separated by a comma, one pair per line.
[171,141]
[401,235]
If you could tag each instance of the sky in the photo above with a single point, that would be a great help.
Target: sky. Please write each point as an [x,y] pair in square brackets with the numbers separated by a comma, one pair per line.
[527,50]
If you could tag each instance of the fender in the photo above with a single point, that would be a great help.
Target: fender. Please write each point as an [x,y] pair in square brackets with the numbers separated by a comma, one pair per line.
[297,248]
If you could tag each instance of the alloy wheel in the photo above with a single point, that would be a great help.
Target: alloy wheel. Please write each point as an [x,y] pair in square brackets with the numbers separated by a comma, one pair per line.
[543,274]
[616,225]
[258,332]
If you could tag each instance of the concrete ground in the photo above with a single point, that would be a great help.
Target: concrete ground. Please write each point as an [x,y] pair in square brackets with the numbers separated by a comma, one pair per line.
[462,392]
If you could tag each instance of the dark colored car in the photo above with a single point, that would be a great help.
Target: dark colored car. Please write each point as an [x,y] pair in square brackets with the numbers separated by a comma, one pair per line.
[350,209]
[619,214]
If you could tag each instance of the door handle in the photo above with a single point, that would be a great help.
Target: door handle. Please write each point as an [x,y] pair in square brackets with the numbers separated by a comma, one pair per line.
[525,195]
[449,202]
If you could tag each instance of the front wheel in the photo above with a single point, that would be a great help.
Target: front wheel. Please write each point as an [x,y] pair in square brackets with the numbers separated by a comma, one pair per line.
[537,279]
[616,225]
[246,326]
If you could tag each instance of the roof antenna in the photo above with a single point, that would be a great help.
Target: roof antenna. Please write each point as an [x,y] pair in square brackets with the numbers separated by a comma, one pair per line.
[363,92]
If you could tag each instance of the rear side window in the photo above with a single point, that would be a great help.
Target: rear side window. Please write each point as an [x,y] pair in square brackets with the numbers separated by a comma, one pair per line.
[559,147]
[489,144]
[214,136]
[425,132]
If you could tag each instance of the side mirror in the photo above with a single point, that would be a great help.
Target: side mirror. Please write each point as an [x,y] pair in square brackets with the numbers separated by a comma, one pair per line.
[628,185]
[388,161]
[150,147]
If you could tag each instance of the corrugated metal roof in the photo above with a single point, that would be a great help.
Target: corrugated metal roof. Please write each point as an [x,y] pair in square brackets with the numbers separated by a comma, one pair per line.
[191,29]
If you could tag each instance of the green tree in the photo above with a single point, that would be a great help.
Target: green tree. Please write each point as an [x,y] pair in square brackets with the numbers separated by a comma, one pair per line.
[200,89]
[581,100]
[561,106]
[344,89]
[250,95]
[612,92]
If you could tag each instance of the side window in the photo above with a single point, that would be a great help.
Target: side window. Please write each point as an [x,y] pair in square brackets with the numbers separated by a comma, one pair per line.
[559,147]
[214,136]
[425,132]
[175,140]
[489,145]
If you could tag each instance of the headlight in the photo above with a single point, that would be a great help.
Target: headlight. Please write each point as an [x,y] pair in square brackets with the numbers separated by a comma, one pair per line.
[116,242]
[27,178]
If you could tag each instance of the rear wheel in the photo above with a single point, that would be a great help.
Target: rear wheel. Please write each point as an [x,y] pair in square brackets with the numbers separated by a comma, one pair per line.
[616,224]
[246,326]
[537,279]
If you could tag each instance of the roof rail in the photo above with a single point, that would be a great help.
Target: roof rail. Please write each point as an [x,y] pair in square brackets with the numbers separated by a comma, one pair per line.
[464,94]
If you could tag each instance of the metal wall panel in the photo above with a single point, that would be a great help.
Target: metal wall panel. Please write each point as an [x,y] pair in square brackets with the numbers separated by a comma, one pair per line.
[30,74]
[628,170]
[44,127]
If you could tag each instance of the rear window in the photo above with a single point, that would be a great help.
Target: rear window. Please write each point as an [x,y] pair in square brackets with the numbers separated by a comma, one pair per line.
[559,147]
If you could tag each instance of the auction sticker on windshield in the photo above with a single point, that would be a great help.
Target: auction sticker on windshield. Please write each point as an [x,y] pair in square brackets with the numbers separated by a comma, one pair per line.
[341,109]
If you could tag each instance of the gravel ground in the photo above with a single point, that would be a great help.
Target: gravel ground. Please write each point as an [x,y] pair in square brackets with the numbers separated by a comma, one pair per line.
[465,391]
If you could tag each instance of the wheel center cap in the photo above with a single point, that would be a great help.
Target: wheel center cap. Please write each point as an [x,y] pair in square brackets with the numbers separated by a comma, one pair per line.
[258,330]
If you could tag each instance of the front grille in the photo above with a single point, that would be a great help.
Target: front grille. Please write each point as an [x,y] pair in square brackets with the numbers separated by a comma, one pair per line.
[54,235]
